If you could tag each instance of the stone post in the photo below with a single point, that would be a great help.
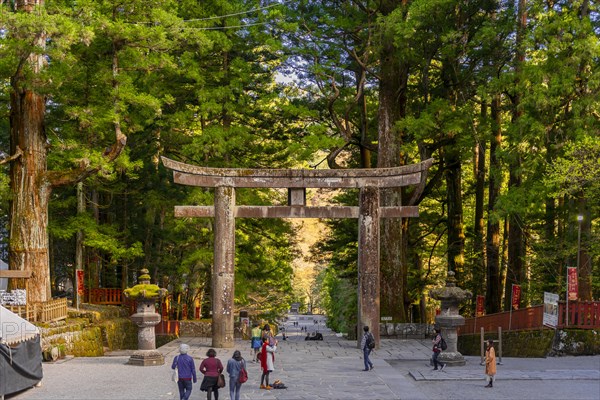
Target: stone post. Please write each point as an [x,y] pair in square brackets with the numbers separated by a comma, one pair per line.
[449,319]
[368,263]
[223,269]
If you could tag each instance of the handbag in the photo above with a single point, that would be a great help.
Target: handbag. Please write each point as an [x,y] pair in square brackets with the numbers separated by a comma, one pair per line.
[221,381]
[175,373]
[243,375]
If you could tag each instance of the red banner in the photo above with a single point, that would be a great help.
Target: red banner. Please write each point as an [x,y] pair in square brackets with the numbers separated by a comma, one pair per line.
[516,296]
[480,306]
[572,283]
[80,277]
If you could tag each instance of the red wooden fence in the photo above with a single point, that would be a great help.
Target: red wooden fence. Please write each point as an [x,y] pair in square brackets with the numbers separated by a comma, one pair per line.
[110,296]
[582,315]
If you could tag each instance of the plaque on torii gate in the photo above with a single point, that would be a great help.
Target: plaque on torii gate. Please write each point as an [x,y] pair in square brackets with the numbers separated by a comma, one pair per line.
[369,181]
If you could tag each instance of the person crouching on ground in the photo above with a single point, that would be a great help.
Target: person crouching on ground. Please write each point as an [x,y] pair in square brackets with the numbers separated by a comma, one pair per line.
[490,363]
[267,362]
[186,371]
[437,349]
[211,367]
[234,366]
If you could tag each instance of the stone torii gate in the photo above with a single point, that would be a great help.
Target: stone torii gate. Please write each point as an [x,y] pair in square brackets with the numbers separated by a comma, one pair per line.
[226,180]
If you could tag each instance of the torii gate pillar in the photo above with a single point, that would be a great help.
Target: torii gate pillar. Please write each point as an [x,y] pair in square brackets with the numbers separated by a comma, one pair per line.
[368,261]
[223,268]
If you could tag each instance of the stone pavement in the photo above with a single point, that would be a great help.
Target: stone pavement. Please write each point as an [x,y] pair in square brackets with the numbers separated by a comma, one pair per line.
[328,369]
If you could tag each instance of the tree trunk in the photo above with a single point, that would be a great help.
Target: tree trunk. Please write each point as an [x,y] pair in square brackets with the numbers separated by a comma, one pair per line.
[585,260]
[394,232]
[493,292]
[30,189]
[478,263]
[516,244]
[456,236]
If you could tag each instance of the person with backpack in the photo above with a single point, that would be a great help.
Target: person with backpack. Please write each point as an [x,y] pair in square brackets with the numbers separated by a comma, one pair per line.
[367,344]
[437,349]
[236,368]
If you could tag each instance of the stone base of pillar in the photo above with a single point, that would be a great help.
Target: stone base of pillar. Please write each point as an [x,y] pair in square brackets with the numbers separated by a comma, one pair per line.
[145,358]
[452,358]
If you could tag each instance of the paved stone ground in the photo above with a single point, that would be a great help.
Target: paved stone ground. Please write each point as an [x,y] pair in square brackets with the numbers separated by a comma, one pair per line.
[329,369]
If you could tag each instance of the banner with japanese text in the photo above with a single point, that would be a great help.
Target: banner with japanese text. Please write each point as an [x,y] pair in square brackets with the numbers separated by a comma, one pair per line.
[572,283]
[480,306]
[79,274]
[516,296]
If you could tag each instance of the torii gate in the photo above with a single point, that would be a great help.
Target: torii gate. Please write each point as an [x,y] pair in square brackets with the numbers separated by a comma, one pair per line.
[224,211]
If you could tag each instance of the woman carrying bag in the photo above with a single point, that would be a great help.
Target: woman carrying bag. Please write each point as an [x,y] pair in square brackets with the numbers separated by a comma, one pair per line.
[236,368]
[211,367]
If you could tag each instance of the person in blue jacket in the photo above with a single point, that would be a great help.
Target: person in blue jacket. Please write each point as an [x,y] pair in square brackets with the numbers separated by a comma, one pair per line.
[186,371]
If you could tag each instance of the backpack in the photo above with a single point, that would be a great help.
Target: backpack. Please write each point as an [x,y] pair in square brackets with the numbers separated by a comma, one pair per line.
[370,341]
[443,344]
[243,374]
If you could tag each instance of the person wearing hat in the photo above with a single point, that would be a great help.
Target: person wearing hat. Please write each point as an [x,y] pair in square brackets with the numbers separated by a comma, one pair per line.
[186,371]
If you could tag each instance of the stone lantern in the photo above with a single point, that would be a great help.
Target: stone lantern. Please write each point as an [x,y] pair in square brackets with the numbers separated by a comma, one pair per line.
[451,297]
[146,295]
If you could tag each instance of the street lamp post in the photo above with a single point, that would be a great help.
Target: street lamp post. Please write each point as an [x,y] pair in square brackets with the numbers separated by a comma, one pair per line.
[579,219]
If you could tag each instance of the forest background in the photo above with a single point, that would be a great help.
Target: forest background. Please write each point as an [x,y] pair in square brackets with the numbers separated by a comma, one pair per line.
[504,95]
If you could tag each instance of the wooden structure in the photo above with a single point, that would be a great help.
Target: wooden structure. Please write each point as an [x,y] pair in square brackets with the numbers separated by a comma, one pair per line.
[226,180]
[582,315]
[48,311]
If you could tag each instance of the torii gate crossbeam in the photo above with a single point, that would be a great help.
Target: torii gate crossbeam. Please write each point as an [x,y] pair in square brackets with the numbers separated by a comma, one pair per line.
[224,212]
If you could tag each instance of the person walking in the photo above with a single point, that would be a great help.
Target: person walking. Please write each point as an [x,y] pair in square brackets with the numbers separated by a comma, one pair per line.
[268,333]
[186,371]
[437,349]
[490,363]
[256,342]
[364,345]
[211,367]
[234,366]
[267,362]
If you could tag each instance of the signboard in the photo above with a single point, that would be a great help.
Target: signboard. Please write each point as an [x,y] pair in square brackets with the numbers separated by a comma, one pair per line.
[386,318]
[516,296]
[572,283]
[80,278]
[480,306]
[17,297]
[550,317]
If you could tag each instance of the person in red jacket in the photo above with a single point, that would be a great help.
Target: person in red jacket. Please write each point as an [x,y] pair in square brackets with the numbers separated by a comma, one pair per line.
[211,367]
[267,362]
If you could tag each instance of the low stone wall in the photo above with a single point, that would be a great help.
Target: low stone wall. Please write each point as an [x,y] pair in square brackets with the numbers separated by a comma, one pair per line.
[537,343]
[405,330]
[200,328]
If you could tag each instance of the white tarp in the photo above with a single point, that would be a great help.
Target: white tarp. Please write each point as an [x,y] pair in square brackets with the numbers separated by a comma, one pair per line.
[14,329]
